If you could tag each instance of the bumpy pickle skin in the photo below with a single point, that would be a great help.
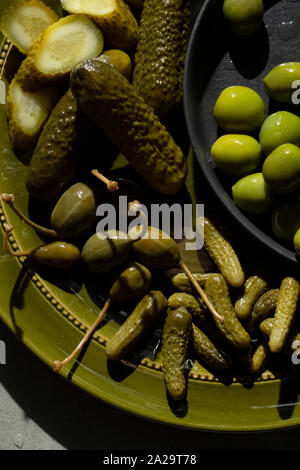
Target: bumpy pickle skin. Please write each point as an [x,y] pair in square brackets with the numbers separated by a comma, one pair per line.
[284,314]
[264,307]
[159,59]
[207,352]
[254,287]
[175,340]
[259,358]
[217,291]
[221,253]
[27,114]
[293,340]
[140,322]
[114,106]
[54,161]
[182,282]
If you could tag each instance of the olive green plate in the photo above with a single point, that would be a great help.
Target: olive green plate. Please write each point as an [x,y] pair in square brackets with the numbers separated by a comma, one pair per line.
[51,320]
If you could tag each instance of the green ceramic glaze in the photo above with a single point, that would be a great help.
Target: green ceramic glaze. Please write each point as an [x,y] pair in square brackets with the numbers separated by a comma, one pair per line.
[51,321]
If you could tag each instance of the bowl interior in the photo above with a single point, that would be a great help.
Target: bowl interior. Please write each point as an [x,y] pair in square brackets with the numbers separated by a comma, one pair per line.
[217,59]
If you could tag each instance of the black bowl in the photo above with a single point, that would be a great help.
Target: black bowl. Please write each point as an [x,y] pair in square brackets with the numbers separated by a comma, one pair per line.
[216,59]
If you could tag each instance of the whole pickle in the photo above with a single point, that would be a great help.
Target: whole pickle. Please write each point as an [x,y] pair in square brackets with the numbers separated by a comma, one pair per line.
[217,291]
[194,306]
[156,249]
[259,358]
[207,352]
[182,282]
[254,287]
[264,306]
[175,340]
[292,342]
[75,212]
[140,322]
[55,159]
[103,255]
[221,253]
[58,255]
[284,314]
[160,54]
[114,106]
[134,281]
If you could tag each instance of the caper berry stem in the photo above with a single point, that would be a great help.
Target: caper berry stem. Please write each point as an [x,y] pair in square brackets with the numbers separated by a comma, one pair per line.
[7,229]
[200,291]
[10,200]
[57,365]
[111,185]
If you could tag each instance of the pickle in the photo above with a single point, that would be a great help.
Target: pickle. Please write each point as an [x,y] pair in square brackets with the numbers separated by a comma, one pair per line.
[217,291]
[284,314]
[182,282]
[175,340]
[193,305]
[54,161]
[114,17]
[27,114]
[264,307]
[160,55]
[24,20]
[118,59]
[221,253]
[254,287]
[292,342]
[259,358]
[140,322]
[113,105]
[57,50]
[207,352]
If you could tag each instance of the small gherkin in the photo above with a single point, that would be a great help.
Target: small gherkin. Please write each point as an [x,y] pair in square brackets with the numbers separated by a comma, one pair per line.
[159,59]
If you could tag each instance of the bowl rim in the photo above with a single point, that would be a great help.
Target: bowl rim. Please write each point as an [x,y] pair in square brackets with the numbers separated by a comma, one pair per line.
[223,196]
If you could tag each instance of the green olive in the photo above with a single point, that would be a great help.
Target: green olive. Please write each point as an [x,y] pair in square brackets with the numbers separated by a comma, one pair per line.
[75,212]
[103,255]
[279,81]
[286,220]
[133,282]
[156,249]
[236,154]
[279,128]
[243,16]
[58,255]
[296,242]
[281,169]
[252,194]
[239,109]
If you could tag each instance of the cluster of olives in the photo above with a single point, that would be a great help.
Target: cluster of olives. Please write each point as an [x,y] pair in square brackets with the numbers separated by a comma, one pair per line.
[240,111]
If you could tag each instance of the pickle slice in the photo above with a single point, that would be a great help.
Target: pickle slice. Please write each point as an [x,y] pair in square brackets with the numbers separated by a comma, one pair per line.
[57,50]
[24,21]
[27,113]
[114,17]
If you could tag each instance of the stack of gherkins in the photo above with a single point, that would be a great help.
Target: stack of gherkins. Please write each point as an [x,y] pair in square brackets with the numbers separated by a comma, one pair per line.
[77,74]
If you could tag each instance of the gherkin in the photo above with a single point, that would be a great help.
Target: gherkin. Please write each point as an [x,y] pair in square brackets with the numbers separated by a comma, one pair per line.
[160,55]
